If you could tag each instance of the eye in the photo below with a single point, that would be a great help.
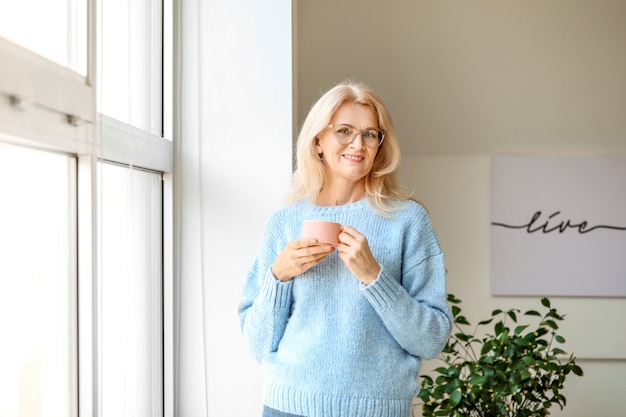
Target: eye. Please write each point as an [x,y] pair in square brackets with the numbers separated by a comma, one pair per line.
[344,131]
[370,134]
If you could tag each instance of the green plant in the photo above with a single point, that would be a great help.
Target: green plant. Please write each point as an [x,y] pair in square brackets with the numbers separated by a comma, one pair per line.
[513,372]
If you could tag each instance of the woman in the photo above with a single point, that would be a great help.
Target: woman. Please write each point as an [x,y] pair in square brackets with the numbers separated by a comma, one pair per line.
[341,331]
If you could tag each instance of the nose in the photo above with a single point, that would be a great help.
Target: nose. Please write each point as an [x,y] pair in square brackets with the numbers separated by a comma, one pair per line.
[360,144]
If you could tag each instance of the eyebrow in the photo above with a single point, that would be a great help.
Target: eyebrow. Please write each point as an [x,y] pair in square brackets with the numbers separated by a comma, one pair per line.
[365,128]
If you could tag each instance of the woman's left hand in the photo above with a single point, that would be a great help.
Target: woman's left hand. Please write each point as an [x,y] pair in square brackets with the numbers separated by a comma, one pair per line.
[356,254]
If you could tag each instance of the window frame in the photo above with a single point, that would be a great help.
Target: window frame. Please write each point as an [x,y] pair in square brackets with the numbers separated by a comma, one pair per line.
[33,114]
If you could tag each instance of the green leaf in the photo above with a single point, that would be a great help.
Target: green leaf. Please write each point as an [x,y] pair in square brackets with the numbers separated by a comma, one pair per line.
[452,299]
[532,313]
[520,329]
[553,366]
[463,337]
[455,397]
[461,320]
[495,372]
[550,323]
[451,371]
[478,380]
[441,381]
[530,337]
[499,327]
[519,341]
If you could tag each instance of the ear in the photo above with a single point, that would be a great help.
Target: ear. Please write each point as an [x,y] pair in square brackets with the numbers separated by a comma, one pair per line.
[318,147]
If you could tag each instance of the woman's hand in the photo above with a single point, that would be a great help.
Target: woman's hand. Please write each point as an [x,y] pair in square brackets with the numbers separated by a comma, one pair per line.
[356,254]
[299,256]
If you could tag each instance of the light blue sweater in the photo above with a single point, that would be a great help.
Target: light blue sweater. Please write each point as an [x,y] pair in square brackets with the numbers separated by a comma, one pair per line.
[331,346]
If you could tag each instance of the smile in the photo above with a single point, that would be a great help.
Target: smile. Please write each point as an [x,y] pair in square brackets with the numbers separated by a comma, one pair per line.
[353,157]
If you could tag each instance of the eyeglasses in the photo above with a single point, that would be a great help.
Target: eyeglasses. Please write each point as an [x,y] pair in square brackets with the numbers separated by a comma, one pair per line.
[345,134]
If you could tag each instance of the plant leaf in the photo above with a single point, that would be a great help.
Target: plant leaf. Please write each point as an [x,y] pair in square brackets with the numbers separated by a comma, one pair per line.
[532,313]
[520,329]
[455,397]
[461,320]
[506,371]
[452,299]
[550,323]
[463,337]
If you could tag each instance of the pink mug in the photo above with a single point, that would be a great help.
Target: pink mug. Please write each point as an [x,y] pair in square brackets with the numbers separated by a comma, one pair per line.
[325,232]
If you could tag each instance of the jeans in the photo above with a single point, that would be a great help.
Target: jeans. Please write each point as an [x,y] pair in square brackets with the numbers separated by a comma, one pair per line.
[270,412]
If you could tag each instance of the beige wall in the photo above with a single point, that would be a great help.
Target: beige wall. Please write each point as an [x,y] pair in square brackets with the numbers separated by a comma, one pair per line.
[469,79]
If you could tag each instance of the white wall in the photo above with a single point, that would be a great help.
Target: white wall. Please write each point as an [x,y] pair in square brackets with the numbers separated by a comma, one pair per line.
[467,80]
[234,170]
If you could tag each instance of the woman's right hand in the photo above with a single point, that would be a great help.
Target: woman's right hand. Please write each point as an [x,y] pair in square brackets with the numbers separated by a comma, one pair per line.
[299,256]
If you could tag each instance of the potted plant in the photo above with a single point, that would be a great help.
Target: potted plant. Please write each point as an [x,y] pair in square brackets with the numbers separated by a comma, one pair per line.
[517,370]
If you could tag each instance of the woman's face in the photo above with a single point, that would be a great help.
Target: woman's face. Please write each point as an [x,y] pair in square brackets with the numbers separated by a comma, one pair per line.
[352,161]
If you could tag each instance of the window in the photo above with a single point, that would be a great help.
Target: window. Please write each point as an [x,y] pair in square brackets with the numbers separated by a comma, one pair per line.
[37,283]
[58,31]
[43,53]
[130,335]
[86,173]
[131,66]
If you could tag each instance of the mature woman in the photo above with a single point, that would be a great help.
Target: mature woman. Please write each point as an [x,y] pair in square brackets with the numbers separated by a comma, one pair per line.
[341,331]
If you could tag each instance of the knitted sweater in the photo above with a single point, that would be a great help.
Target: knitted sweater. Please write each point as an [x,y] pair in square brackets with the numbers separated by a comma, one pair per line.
[331,346]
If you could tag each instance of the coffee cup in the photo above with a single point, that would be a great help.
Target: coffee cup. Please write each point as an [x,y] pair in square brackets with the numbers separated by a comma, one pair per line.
[325,232]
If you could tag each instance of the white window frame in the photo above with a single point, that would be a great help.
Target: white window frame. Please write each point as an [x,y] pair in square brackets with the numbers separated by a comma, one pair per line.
[33,114]
[31,108]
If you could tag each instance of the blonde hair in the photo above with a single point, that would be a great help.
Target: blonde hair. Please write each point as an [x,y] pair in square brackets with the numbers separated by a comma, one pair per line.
[381,185]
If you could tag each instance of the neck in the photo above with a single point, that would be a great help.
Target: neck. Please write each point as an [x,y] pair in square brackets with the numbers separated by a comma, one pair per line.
[337,196]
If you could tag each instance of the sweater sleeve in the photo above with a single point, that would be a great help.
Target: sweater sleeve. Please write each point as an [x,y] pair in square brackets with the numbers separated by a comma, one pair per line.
[414,308]
[265,304]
